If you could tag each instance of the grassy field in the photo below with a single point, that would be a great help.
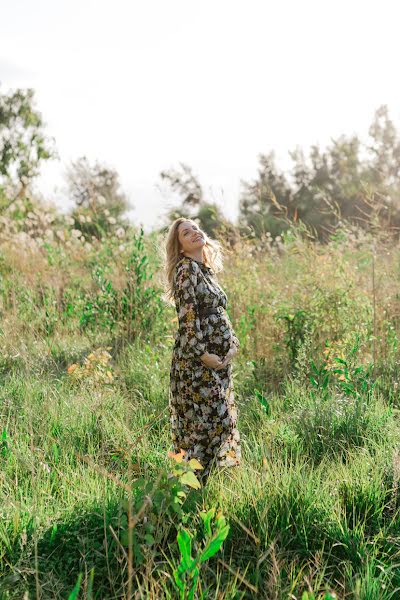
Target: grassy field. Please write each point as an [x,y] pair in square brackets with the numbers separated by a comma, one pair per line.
[91,504]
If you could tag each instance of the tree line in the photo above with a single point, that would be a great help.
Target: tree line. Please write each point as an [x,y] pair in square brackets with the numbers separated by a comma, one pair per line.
[349,181]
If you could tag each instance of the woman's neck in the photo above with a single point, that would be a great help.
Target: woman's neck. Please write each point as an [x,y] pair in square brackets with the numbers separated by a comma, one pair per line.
[197,255]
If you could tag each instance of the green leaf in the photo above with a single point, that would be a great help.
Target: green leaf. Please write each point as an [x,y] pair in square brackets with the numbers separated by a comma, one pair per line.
[185,547]
[215,544]
[124,538]
[191,480]
[340,360]
[180,583]
[148,538]
[207,517]
[194,464]
[74,594]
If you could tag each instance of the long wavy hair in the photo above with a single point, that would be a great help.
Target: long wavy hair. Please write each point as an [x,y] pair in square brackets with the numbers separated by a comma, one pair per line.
[212,256]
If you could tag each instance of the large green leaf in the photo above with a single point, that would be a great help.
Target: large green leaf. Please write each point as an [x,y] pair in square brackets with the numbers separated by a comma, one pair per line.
[215,544]
[191,480]
[185,547]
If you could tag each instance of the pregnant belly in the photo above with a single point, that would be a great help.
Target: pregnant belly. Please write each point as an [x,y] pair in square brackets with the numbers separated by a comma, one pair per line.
[218,334]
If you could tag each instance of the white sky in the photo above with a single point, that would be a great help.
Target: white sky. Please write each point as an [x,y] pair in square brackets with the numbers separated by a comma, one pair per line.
[142,86]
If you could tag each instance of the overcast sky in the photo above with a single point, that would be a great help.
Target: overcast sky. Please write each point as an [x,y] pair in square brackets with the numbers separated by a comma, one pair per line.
[142,86]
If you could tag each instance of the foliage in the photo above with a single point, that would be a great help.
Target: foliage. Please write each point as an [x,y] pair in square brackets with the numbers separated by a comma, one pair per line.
[96,368]
[346,182]
[187,572]
[100,204]
[135,308]
[343,412]
[140,518]
[297,327]
[91,508]
[23,144]
[194,205]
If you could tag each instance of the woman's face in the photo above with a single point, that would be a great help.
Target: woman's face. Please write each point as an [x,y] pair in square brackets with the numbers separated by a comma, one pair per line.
[190,236]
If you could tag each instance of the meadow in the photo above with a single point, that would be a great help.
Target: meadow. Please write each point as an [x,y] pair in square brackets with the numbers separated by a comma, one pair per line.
[93,504]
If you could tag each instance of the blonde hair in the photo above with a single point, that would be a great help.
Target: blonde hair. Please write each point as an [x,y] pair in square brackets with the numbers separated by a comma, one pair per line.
[212,256]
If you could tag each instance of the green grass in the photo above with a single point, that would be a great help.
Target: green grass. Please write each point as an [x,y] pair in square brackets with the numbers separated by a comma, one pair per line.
[314,506]
[315,499]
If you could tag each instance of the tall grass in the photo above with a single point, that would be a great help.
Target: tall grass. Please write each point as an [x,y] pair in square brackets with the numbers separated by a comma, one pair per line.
[313,510]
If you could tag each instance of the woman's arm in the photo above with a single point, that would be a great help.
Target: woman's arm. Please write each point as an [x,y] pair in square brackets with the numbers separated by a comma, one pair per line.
[235,341]
[186,303]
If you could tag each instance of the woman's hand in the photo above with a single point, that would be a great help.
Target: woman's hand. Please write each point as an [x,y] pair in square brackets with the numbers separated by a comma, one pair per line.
[212,361]
[231,353]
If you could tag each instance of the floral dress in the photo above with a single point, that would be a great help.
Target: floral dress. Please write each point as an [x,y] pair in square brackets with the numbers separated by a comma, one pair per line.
[202,409]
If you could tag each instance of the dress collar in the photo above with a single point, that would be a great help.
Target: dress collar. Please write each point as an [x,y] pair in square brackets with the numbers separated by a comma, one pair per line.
[202,264]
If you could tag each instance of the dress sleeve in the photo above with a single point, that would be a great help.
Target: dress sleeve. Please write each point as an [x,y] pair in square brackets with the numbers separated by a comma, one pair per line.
[235,341]
[186,304]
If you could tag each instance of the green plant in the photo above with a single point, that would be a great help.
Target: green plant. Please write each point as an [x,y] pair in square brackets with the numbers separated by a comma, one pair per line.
[323,596]
[140,518]
[4,445]
[100,310]
[320,381]
[75,592]
[263,401]
[135,309]
[247,324]
[140,303]
[350,379]
[298,324]
[187,572]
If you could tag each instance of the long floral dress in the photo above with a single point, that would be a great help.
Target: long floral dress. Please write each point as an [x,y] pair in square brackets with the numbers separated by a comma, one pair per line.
[203,414]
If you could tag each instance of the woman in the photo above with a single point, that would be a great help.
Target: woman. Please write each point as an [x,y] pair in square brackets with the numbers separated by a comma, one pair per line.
[202,409]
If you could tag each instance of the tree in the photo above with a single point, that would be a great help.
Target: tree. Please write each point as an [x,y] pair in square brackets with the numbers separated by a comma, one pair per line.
[266,203]
[23,144]
[186,184]
[193,204]
[384,169]
[96,192]
[385,149]
[330,186]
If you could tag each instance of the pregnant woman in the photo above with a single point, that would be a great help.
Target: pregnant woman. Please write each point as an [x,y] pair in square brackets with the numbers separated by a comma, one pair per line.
[202,408]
